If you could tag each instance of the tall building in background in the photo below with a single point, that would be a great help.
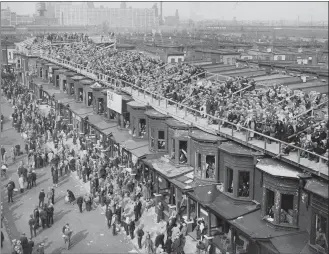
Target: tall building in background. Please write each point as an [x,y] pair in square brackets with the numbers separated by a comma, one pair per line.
[84,14]
[123,17]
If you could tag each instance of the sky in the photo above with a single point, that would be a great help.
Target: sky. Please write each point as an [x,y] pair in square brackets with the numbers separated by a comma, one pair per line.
[306,11]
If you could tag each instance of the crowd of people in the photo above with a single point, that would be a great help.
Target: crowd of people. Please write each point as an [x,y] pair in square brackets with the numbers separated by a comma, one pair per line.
[124,195]
[273,111]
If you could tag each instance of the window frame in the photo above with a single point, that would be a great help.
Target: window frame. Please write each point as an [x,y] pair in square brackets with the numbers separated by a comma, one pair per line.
[227,186]
[238,183]
[319,247]
[164,139]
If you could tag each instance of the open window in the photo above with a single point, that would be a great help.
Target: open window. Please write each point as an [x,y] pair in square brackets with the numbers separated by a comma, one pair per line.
[244,179]
[72,89]
[112,115]
[229,185]
[64,86]
[269,206]
[40,71]
[57,81]
[80,94]
[90,98]
[142,127]
[287,208]
[101,106]
[210,166]
[152,138]
[182,152]
[126,120]
[173,149]
[161,140]
[199,161]
[321,232]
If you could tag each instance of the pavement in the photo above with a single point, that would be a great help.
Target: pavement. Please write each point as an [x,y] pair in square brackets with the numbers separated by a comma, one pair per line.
[90,233]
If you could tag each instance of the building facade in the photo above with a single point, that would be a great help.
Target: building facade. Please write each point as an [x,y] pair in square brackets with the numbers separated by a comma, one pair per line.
[82,14]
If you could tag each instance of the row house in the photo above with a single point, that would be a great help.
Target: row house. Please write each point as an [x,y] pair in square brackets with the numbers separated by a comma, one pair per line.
[249,203]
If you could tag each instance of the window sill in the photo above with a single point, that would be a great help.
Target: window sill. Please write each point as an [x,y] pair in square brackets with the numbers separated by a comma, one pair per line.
[237,200]
[280,225]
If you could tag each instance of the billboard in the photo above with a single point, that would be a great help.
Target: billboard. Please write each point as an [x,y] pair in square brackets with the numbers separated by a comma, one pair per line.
[114,101]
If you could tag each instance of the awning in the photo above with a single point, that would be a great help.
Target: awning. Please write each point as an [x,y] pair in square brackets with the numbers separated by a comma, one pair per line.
[237,149]
[119,136]
[51,92]
[131,144]
[223,205]
[79,109]
[98,122]
[94,119]
[293,243]
[277,168]
[63,98]
[108,130]
[187,182]
[141,151]
[317,187]
[86,82]
[165,168]
[252,225]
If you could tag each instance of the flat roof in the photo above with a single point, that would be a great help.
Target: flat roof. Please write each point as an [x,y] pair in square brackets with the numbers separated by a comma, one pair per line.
[234,148]
[200,135]
[136,104]
[277,168]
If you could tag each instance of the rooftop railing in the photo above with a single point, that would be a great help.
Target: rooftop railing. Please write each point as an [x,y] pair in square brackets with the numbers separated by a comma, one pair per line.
[300,157]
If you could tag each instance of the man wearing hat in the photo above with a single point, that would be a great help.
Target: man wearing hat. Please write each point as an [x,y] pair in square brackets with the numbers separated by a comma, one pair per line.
[30,246]
[24,243]
[33,228]
[42,198]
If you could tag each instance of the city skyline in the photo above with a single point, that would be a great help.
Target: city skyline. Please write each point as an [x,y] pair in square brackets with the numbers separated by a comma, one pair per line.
[289,11]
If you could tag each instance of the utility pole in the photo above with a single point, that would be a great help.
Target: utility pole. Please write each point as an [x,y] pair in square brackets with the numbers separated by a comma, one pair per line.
[1,88]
